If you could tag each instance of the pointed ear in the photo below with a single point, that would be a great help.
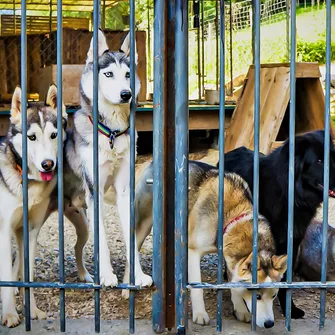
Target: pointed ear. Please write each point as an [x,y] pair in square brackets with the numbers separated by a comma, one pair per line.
[279,263]
[16,102]
[102,47]
[51,98]
[244,269]
[125,47]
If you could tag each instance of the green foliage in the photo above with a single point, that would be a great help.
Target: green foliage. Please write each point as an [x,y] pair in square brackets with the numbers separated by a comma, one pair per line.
[314,51]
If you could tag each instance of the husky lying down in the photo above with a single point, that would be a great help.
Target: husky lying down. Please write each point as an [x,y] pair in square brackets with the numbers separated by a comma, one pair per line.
[42,192]
[202,238]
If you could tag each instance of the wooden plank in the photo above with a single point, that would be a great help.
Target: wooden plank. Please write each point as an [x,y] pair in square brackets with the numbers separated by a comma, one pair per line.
[274,107]
[310,106]
[71,81]
[274,95]
[198,120]
[303,70]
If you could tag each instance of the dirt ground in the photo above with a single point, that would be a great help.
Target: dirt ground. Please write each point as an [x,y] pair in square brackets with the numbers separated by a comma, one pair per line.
[81,303]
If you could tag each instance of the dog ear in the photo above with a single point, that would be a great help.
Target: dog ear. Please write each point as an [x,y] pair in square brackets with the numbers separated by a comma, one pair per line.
[16,102]
[244,269]
[51,99]
[125,47]
[102,46]
[279,263]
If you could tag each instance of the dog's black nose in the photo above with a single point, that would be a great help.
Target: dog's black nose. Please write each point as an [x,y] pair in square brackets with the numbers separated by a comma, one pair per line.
[125,95]
[269,324]
[48,164]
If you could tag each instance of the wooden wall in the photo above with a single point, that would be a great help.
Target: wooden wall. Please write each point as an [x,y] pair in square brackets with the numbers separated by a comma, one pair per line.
[41,52]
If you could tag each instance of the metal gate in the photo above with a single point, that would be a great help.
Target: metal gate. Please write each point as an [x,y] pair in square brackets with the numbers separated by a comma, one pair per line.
[170,157]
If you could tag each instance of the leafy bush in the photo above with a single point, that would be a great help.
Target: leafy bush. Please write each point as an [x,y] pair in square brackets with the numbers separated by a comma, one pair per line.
[314,51]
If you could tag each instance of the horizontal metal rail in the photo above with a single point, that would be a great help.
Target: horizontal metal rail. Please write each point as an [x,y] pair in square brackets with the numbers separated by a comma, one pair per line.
[229,285]
[71,285]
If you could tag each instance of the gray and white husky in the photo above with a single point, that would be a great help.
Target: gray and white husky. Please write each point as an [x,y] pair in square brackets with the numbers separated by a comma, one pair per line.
[114,97]
[42,192]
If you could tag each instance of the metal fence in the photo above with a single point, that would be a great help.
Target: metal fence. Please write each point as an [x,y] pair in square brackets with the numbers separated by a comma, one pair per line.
[170,157]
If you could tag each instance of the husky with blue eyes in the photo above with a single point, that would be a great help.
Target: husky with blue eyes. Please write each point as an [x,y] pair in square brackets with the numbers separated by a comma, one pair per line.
[114,99]
[42,146]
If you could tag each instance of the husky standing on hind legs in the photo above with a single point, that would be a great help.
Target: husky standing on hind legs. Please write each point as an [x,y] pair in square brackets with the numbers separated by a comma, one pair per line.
[114,97]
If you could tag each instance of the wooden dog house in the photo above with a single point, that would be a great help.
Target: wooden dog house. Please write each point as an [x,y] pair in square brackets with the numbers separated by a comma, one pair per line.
[274,106]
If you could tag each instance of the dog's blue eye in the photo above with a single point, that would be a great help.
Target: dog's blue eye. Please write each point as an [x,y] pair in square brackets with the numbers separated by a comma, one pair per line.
[53,136]
[109,74]
[128,75]
[32,137]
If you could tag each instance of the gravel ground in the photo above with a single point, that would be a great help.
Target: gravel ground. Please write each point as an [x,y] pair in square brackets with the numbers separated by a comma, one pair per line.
[81,303]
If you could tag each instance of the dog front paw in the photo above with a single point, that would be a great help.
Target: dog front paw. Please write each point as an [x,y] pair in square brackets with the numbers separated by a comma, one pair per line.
[125,294]
[242,316]
[200,318]
[11,320]
[108,279]
[85,277]
[143,280]
[37,314]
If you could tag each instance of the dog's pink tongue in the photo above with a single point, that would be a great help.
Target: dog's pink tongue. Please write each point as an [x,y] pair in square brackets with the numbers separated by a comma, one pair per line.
[46,176]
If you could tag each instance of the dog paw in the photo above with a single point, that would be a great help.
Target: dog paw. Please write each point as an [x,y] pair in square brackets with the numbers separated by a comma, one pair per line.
[125,294]
[108,279]
[143,280]
[16,291]
[37,314]
[201,318]
[241,316]
[11,320]
[85,277]
[297,313]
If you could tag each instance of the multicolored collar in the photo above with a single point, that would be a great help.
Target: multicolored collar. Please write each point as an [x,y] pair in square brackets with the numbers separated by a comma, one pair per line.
[111,134]
[231,223]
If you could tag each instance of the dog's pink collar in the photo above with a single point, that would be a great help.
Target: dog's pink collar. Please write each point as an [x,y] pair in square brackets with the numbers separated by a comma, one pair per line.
[239,218]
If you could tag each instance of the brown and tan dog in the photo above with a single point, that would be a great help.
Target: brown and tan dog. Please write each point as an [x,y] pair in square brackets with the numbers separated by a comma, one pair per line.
[202,238]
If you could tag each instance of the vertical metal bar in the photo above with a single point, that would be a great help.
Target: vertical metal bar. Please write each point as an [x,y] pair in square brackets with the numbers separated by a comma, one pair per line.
[217,42]
[231,46]
[181,163]
[132,168]
[203,47]
[326,167]
[60,160]
[25,159]
[50,15]
[253,33]
[159,166]
[103,14]
[221,166]
[170,168]
[288,30]
[256,20]
[289,273]
[96,164]
[149,42]
[14,15]
[200,90]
